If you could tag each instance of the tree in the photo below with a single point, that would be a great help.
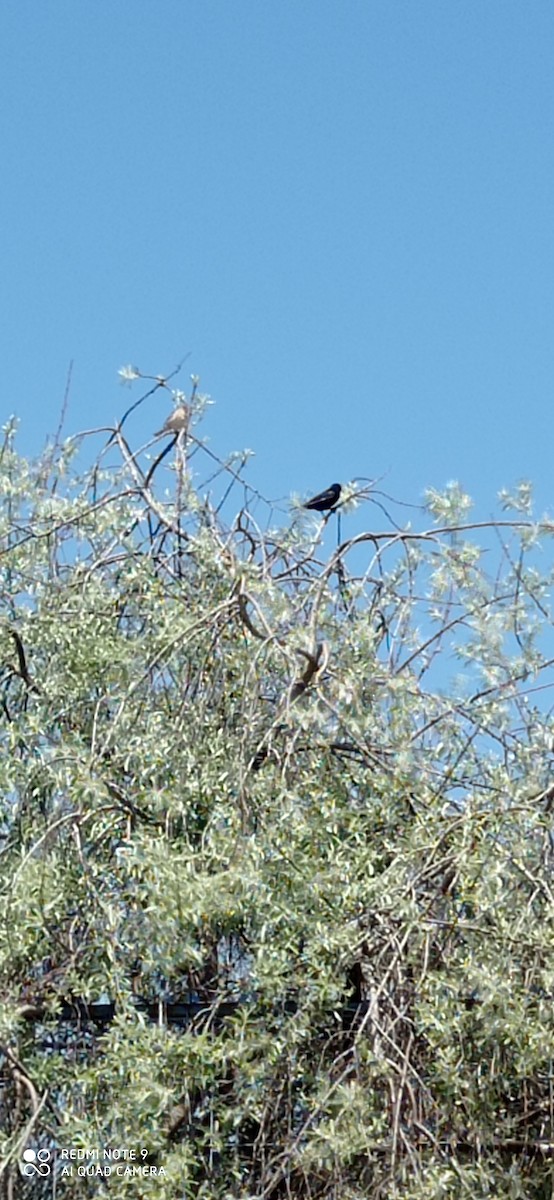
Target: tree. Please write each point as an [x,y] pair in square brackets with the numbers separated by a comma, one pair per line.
[294,803]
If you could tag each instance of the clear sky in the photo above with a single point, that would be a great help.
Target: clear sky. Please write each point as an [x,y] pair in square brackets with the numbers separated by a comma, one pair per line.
[344,209]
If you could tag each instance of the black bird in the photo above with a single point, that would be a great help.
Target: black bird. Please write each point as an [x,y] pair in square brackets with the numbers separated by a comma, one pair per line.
[325,501]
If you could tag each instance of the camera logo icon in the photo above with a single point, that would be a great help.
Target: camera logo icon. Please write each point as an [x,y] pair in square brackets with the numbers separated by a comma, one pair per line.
[35,1162]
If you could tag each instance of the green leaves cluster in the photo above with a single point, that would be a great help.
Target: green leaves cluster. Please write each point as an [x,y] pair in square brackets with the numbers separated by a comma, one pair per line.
[309,797]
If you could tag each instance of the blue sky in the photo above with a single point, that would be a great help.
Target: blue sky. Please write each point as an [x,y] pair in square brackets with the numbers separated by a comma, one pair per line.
[342,209]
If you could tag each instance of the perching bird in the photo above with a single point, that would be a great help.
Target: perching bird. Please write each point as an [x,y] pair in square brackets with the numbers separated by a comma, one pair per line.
[176,422]
[325,501]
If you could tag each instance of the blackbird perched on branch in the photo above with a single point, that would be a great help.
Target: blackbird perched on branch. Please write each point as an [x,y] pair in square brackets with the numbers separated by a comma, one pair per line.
[325,501]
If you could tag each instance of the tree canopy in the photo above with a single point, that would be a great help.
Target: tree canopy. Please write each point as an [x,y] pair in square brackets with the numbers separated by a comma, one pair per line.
[276,842]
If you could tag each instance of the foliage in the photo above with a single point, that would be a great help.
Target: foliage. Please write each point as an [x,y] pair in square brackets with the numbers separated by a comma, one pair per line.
[307,794]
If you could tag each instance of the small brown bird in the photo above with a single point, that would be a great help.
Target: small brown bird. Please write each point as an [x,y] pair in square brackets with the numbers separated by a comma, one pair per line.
[176,422]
